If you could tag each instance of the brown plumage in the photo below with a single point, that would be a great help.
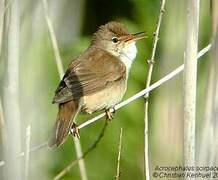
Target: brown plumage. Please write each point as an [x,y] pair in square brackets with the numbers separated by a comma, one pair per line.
[67,111]
[84,77]
[95,80]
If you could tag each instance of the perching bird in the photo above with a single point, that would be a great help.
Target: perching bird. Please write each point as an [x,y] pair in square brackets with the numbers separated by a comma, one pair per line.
[96,79]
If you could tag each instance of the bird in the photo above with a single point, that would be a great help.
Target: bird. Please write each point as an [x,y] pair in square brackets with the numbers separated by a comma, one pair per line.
[96,80]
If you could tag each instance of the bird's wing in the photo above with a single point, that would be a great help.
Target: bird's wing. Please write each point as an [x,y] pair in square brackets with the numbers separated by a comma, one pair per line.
[89,73]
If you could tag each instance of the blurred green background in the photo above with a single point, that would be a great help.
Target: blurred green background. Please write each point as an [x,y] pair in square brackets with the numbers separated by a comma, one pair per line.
[74,22]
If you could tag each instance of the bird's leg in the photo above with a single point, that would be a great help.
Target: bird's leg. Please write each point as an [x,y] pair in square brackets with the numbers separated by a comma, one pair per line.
[75,130]
[110,113]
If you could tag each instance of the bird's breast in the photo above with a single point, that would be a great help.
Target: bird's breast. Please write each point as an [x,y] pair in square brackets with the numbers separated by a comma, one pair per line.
[105,98]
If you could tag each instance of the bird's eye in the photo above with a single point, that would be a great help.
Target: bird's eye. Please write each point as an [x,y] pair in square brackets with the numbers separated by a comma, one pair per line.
[115,40]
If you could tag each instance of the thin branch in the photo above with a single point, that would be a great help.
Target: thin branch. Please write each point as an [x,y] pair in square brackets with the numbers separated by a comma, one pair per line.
[190,81]
[53,40]
[148,82]
[146,90]
[118,173]
[3,9]
[73,163]
[2,17]
[166,78]
[156,38]
[61,73]
[38,147]
[35,148]
[27,151]
[81,161]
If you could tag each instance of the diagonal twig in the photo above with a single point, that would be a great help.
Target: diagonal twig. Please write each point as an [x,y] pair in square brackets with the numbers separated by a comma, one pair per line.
[146,90]
[151,62]
[166,78]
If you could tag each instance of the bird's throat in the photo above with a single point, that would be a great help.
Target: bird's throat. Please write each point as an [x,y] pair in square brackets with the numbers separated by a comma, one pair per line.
[126,54]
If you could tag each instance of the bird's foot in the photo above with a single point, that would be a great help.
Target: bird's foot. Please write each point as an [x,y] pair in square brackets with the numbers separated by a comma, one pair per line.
[75,130]
[88,111]
[110,113]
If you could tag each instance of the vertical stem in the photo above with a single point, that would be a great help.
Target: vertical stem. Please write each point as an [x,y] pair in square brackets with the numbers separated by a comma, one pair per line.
[81,160]
[27,152]
[2,119]
[11,96]
[207,145]
[117,177]
[212,102]
[61,73]
[148,82]
[190,81]
[2,12]
[53,40]
[214,13]
[2,127]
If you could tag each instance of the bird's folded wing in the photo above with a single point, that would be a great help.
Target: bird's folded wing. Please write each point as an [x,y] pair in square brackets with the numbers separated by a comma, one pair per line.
[92,72]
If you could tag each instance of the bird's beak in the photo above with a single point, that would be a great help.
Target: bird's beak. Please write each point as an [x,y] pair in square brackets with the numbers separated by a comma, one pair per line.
[134,37]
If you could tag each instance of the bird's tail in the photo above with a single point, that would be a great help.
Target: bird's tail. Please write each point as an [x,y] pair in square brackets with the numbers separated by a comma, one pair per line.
[66,114]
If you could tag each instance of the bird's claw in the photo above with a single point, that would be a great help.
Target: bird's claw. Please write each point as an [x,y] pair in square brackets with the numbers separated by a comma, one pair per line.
[110,113]
[75,130]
